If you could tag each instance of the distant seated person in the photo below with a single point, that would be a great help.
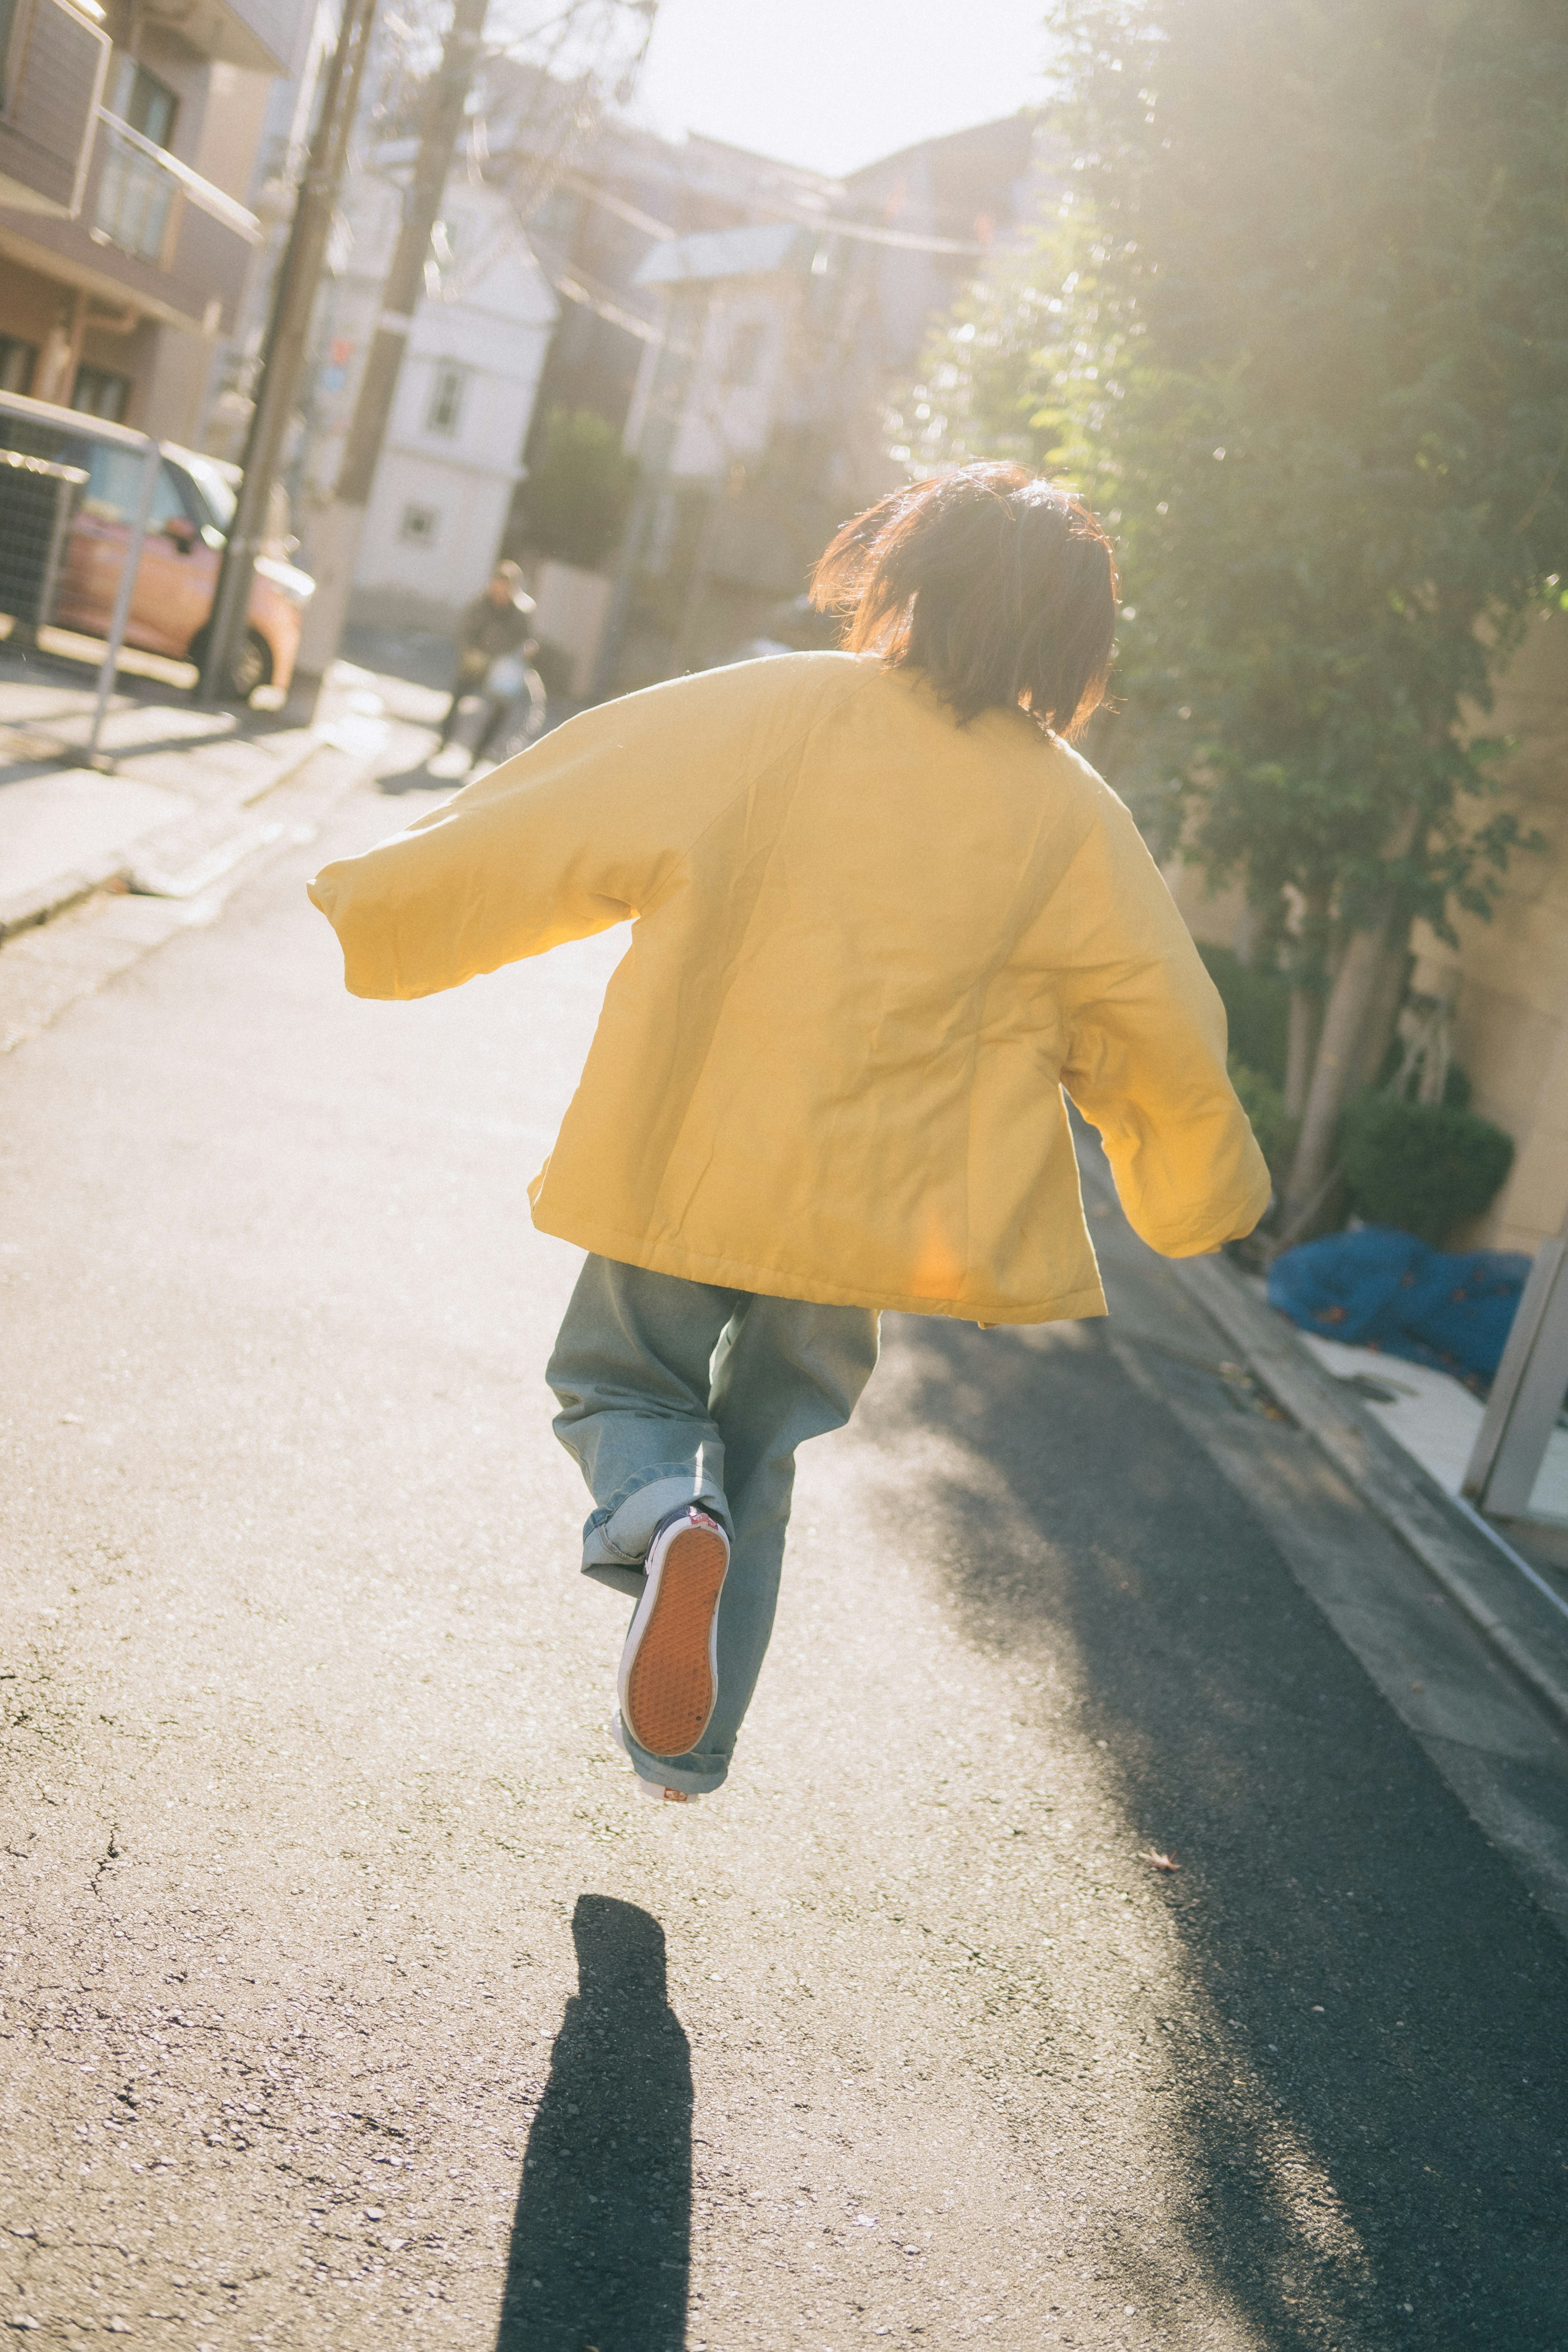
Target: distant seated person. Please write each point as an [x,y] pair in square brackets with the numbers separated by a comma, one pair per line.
[493,631]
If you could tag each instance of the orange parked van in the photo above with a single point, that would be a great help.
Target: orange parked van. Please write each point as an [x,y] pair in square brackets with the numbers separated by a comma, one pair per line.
[176,578]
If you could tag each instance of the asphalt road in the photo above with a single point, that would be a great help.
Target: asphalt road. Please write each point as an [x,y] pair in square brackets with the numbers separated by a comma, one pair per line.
[352,1999]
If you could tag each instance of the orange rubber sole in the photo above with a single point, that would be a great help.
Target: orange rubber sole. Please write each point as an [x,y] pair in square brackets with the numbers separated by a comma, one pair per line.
[670,1688]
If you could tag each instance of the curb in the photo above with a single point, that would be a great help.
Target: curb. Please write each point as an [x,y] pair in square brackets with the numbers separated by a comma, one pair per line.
[1465,1559]
[25,910]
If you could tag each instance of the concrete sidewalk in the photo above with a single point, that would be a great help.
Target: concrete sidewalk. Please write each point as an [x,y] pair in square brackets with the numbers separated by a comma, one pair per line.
[177,794]
[98,868]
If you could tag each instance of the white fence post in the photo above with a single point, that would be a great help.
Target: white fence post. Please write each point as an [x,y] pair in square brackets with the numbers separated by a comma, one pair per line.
[1527,1394]
[110,661]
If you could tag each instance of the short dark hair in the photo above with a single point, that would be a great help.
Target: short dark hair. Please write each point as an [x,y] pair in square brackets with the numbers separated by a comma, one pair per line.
[997,583]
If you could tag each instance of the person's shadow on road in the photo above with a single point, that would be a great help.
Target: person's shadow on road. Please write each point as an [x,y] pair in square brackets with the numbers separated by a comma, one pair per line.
[601,2242]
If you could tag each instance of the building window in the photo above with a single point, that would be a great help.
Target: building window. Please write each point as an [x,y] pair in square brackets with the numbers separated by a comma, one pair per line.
[18,359]
[144,101]
[444,410]
[100,393]
[419,526]
[168,506]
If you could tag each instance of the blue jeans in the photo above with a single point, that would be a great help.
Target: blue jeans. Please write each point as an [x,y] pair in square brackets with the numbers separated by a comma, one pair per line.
[675,1392]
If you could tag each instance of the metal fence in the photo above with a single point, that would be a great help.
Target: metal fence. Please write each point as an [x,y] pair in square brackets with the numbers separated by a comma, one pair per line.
[75,496]
[1519,1469]
[37,498]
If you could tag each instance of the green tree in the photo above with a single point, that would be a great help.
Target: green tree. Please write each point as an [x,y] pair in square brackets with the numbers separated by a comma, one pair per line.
[1296,316]
[574,503]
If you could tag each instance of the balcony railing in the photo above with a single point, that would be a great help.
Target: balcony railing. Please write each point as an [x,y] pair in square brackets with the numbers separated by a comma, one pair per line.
[142,192]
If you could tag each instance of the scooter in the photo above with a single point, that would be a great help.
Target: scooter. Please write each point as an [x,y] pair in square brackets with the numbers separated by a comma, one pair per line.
[510,706]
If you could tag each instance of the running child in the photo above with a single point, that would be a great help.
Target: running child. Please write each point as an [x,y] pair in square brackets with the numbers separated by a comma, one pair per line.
[884,921]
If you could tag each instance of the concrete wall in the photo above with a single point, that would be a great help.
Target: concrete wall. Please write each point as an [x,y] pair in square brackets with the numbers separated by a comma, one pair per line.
[1508,977]
[729,414]
[571,606]
[400,582]
[464,480]
[33,308]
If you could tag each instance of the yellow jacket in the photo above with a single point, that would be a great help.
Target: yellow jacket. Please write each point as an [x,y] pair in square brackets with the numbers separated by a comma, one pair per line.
[871,947]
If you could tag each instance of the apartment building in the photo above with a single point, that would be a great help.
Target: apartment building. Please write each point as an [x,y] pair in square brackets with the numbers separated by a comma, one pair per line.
[530,303]
[128,133]
[453,452]
[765,395]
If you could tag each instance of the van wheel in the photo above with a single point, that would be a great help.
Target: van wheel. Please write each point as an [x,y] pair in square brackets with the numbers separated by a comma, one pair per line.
[251,667]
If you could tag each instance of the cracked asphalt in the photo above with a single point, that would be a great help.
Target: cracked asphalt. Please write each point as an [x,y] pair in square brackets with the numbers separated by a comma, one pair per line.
[352,1999]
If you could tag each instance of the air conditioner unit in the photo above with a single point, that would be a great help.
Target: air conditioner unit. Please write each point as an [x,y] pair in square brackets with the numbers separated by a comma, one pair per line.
[51,80]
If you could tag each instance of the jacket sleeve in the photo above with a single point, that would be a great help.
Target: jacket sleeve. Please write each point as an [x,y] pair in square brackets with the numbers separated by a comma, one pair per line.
[1145,1058]
[580,831]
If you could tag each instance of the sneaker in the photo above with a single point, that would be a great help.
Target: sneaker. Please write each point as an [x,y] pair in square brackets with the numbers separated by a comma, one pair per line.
[657,1789]
[670,1668]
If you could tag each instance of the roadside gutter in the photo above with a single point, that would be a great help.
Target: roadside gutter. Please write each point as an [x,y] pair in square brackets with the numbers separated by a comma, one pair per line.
[1518,1614]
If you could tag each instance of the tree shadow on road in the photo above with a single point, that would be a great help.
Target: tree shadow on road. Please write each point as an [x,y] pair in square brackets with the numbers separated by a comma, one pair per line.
[1378,2002]
[601,2241]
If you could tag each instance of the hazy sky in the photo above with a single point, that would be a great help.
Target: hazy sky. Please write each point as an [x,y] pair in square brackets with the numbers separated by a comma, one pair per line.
[836,83]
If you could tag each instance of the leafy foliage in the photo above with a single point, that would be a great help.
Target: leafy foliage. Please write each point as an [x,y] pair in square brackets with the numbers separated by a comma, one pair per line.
[1256,1009]
[1296,316]
[575,503]
[1264,1104]
[1420,1166]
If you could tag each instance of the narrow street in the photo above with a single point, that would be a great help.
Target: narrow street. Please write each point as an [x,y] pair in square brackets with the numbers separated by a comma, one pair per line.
[352,1999]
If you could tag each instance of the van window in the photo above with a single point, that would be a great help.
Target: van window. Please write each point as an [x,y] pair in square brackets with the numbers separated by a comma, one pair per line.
[169,501]
[114,488]
[114,482]
[213,487]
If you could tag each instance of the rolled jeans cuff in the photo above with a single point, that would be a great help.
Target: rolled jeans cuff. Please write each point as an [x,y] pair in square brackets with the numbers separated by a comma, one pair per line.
[616,1537]
[698,1774]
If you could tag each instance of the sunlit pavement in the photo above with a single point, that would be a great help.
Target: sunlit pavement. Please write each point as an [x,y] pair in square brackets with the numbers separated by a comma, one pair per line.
[354,2001]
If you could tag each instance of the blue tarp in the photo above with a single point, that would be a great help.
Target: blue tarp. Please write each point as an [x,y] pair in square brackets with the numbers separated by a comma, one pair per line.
[1377,1288]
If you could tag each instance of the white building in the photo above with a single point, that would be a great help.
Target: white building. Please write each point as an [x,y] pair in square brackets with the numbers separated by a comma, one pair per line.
[465,397]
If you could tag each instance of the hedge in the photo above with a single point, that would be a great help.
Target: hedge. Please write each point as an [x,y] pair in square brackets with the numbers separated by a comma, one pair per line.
[1425,1167]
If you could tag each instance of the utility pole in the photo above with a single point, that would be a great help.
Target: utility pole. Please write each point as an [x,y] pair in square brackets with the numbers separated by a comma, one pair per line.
[683,319]
[334,541]
[287,338]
